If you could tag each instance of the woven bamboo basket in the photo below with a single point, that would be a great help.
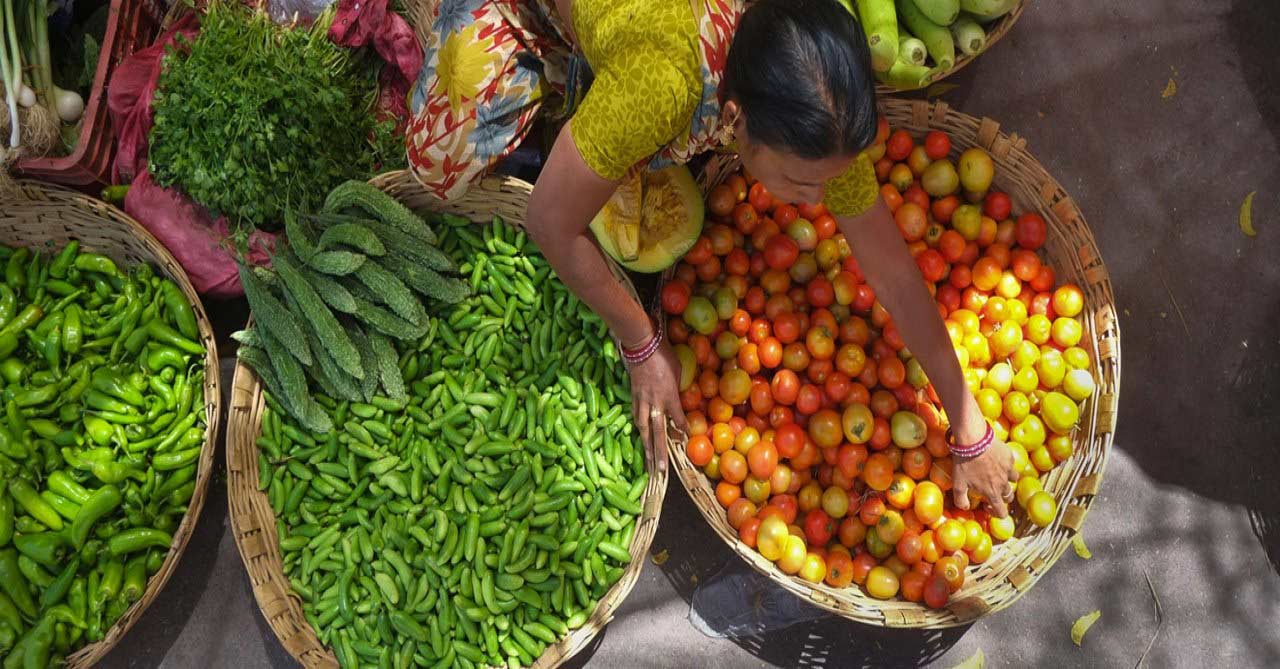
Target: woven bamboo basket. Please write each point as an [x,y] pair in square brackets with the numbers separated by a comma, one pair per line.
[1017,564]
[995,32]
[47,217]
[254,522]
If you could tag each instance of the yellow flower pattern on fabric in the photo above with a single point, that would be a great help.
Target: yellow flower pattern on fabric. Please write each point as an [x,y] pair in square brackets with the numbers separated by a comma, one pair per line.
[464,64]
[855,191]
[648,81]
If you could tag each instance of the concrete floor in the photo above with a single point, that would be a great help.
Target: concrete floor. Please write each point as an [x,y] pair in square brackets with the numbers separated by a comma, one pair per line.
[1190,496]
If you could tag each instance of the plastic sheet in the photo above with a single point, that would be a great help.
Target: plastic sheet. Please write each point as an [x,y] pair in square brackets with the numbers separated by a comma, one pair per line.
[739,602]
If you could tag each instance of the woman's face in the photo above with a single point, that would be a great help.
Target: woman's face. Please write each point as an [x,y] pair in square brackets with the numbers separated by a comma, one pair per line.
[788,177]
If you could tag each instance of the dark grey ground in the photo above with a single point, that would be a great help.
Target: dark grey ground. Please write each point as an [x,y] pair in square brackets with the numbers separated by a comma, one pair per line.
[1192,494]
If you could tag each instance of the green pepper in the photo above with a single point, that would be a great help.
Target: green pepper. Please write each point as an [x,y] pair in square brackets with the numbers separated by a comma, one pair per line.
[167,335]
[14,275]
[39,645]
[65,507]
[63,484]
[138,538]
[180,310]
[72,331]
[29,316]
[30,500]
[111,472]
[10,446]
[164,391]
[109,586]
[61,584]
[8,343]
[12,368]
[93,262]
[58,269]
[14,583]
[100,401]
[6,519]
[175,459]
[46,548]
[8,304]
[9,613]
[107,381]
[100,431]
[103,501]
[135,578]
[36,396]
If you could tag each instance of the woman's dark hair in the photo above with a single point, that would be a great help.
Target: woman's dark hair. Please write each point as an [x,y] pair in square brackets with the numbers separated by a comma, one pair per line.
[801,71]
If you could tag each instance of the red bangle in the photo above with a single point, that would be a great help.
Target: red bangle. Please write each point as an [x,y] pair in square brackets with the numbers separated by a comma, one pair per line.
[972,450]
[635,356]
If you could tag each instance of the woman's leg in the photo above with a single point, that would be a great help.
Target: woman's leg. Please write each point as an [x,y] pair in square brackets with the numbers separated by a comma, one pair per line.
[481,86]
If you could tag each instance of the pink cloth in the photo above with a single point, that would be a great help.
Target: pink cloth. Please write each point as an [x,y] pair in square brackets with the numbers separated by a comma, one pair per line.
[360,22]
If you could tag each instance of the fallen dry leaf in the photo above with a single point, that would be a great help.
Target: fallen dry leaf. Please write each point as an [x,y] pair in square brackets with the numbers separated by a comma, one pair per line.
[660,558]
[1170,89]
[975,661]
[1246,215]
[1159,620]
[1081,549]
[940,88]
[1082,625]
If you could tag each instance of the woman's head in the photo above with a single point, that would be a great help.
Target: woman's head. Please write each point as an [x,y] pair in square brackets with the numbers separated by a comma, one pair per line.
[799,78]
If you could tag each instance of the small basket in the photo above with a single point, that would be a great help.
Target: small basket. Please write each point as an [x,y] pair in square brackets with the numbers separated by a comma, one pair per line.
[1015,565]
[996,30]
[40,216]
[254,522]
[131,25]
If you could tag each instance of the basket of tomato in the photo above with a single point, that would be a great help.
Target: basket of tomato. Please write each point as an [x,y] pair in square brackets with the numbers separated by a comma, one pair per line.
[817,447]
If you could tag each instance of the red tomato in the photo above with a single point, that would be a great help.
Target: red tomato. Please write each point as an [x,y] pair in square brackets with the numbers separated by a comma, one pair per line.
[781,251]
[937,145]
[943,207]
[786,327]
[825,226]
[997,205]
[917,195]
[809,399]
[745,218]
[932,265]
[700,252]
[899,145]
[760,198]
[675,297]
[784,214]
[1031,231]
[785,386]
[818,527]
[820,293]
[789,439]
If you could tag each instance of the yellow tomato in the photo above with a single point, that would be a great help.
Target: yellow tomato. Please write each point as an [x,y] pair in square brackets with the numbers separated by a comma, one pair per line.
[814,568]
[882,583]
[1041,508]
[1002,528]
[771,537]
[1027,486]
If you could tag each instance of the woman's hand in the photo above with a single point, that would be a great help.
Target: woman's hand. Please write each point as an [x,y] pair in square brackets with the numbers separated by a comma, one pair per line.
[990,475]
[655,398]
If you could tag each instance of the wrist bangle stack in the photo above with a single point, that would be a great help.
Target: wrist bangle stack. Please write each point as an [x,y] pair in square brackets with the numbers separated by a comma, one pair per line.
[971,450]
[635,356]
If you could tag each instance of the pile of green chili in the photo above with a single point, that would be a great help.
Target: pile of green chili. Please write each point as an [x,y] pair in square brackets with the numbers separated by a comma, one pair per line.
[103,422]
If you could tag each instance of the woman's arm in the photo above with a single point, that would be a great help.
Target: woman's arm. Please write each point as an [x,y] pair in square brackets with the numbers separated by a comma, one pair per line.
[567,196]
[883,256]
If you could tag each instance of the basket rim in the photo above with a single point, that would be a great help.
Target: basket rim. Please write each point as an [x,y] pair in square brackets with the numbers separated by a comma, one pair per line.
[255,540]
[47,198]
[999,28]
[1075,498]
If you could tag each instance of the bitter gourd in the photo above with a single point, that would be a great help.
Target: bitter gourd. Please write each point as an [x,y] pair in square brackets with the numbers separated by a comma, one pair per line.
[385,208]
[300,236]
[337,263]
[333,293]
[388,365]
[392,292]
[318,316]
[354,235]
[386,322]
[428,282]
[272,316]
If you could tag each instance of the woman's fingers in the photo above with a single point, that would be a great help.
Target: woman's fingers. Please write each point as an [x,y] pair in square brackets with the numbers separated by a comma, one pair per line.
[658,428]
[644,423]
[961,494]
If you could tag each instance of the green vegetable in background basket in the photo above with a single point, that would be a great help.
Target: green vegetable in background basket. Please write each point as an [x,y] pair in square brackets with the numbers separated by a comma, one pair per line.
[254,119]
[482,517]
[370,260]
[101,427]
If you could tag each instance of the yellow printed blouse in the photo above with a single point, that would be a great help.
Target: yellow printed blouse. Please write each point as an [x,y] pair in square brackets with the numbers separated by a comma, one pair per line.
[651,78]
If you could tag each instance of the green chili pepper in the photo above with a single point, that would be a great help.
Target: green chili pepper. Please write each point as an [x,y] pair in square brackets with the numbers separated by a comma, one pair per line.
[36,396]
[72,332]
[110,472]
[11,369]
[139,538]
[179,309]
[159,357]
[100,431]
[92,262]
[39,645]
[29,316]
[111,581]
[58,589]
[63,261]
[8,304]
[39,509]
[167,335]
[10,446]
[14,583]
[46,548]
[113,384]
[103,501]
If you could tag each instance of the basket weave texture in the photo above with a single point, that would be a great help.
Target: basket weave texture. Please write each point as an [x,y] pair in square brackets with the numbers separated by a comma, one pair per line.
[46,217]
[1017,564]
[254,522]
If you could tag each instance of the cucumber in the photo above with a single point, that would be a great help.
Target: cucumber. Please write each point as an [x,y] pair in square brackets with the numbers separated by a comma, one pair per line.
[911,51]
[880,23]
[941,12]
[354,235]
[969,36]
[988,10]
[318,316]
[936,38]
[381,206]
[272,315]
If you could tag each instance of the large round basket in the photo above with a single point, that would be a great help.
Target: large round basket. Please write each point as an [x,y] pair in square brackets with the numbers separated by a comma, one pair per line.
[995,31]
[46,217]
[1017,564]
[252,518]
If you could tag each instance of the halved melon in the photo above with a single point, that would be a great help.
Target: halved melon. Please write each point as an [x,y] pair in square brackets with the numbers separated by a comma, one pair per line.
[651,220]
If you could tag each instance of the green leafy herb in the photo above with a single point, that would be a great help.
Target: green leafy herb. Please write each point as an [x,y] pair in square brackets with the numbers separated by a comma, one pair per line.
[254,119]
